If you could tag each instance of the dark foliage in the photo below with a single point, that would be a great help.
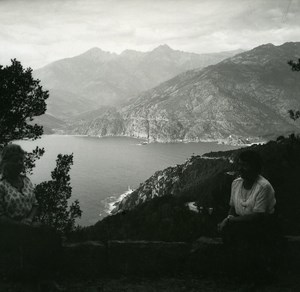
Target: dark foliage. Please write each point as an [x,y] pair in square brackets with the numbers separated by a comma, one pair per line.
[53,198]
[294,114]
[31,157]
[295,65]
[21,99]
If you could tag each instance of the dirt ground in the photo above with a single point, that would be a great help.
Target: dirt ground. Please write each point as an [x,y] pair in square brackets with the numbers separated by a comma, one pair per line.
[288,283]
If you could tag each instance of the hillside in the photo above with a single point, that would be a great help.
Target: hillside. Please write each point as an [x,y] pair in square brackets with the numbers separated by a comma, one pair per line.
[246,96]
[50,124]
[96,78]
[157,209]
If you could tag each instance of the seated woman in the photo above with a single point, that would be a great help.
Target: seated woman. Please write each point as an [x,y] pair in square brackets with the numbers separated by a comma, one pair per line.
[250,225]
[35,247]
[18,204]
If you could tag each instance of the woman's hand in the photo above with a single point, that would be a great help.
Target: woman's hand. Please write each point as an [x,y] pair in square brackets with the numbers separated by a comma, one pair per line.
[224,223]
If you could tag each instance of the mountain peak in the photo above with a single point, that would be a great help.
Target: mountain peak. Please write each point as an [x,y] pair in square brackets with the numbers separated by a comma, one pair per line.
[98,54]
[94,50]
[163,48]
[266,46]
[131,53]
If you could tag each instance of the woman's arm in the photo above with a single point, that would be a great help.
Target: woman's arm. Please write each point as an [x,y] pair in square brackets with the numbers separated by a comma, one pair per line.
[33,213]
[231,211]
[231,214]
[28,220]
[246,218]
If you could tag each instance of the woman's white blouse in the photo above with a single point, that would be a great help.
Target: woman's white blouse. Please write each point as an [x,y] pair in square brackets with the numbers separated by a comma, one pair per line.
[259,199]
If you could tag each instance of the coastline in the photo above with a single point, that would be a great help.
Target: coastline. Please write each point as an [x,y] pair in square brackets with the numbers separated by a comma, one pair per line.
[231,140]
[112,202]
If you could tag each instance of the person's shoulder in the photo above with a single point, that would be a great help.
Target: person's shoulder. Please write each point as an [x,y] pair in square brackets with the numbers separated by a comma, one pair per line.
[237,181]
[26,179]
[263,182]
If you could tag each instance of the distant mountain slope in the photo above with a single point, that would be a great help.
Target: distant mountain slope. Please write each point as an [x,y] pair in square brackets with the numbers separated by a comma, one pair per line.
[247,95]
[64,104]
[49,123]
[102,78]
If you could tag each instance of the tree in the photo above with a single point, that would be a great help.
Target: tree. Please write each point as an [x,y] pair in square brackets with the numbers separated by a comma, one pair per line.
[294,114]
[295,65]
[53,198]
[21,99]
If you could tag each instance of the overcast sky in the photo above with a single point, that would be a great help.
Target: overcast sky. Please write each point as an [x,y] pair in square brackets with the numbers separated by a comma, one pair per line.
[37,32]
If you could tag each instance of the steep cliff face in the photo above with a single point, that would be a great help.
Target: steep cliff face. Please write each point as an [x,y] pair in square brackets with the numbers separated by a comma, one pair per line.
[175,180]
[104,122]
[246,96]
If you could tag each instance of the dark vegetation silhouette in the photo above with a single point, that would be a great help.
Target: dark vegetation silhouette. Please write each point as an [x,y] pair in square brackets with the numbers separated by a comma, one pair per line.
[294,114]
[53,196]
[295,65]
[22,98]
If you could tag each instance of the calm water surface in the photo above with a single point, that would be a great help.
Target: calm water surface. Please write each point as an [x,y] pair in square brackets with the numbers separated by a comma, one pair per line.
[105,167]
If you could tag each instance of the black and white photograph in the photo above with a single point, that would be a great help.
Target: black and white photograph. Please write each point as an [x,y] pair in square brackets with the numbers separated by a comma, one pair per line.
[149,145]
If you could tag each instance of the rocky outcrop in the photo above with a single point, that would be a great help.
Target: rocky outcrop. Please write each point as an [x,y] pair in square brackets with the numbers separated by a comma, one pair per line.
[173,180]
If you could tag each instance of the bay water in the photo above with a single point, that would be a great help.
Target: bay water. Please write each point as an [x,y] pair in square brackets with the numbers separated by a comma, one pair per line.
[105,167]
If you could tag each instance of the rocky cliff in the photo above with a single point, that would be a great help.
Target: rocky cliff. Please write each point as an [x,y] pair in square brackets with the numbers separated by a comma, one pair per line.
[175,180]
[245,96]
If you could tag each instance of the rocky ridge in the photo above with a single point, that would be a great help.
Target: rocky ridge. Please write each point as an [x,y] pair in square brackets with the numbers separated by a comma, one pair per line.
[242,99]
[96,78]
[173,180]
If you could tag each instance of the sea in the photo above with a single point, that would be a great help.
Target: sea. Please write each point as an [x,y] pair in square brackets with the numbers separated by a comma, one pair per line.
[107,168]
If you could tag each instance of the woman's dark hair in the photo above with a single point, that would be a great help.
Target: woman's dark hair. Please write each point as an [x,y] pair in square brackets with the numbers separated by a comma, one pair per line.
[8,152]
[252,158]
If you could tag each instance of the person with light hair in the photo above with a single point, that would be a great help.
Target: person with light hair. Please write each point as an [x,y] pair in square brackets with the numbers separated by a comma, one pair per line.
[37,246]
[18,204]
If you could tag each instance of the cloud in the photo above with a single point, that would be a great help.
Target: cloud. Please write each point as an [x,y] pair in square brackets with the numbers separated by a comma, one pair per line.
[40,31]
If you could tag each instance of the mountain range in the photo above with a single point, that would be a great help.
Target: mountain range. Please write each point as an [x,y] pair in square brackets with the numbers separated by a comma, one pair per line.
[244,97]
[96,78]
